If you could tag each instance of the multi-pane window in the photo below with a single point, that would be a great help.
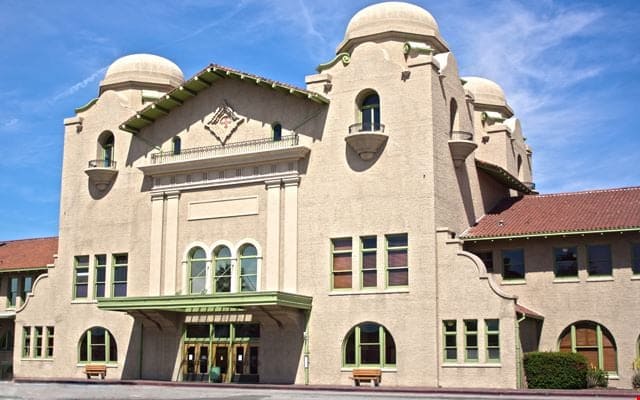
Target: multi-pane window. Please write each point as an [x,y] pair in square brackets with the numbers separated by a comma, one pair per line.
[370,113]
[341,263]
[487,259]
[599,260]
[98,345]
[197,271]
[492,335]
[397,260]
[38,342]
[449,328]
[635,258]
[566,262]
[12,294]
[593,341]
[471,340]
[81,277]
[222,270]
[248,268]
[513,264]
[101,275]
[50,341]
[369,253]
[369,344]
[120,266]
[26,342]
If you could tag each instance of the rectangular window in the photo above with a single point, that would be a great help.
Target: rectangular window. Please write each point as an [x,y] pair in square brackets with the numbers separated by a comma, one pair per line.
[397,260]
[26,342]
[599,260]
[50,340]
[635,258]
[470,340]
[513,264]
[120,265]
[368,251]
[450,340]
[27,284]
[566,262]
[12,292]
[341,260]
[101,275]
[38,342]
[81,277]
[487,259]
[492,330]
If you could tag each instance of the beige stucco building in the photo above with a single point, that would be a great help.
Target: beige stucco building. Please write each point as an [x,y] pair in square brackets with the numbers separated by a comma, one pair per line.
[234,227]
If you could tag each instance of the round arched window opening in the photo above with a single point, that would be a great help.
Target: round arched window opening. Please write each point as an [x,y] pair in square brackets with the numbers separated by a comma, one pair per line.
[369,108]
[97,345]
[197,270]
[277,132]
[369,344]
[222,269]
[106,143]
[592,340]
[248,268]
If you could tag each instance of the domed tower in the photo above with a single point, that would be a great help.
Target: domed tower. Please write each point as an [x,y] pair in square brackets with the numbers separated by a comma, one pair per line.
[142,71]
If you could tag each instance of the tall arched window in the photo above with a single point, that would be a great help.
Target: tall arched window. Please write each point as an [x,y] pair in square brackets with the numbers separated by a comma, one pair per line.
[277,132]
[197,271]
[369,344]
[454,117]
[593,341]
[177,145]
[105,148]
[248,268]
[222,269]
[370,113]
[97,345]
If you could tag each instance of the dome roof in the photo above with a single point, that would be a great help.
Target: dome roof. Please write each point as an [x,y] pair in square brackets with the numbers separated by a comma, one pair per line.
[142,69]
[392,16]
[485,91]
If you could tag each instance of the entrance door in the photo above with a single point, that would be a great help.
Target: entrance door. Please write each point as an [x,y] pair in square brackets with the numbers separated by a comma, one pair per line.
[245,363]
[221,361]
[196,356]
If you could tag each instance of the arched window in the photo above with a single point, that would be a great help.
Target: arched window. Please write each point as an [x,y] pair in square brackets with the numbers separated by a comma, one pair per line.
[277,132]
[222,269]
[454,117]
[177,145]
[248,268]
[369,344]
[197,271]
[97,345]
[105,149]
[593,341]
[370,113]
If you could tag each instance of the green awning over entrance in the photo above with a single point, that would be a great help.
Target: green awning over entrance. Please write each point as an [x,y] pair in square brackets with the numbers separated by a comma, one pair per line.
[207,303]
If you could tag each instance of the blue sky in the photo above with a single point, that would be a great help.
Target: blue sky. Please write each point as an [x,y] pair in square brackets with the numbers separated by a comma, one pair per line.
[569,69]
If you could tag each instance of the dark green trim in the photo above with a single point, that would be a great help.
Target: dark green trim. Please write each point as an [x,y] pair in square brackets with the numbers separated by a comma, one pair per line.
[86,106]
[344,57]
[194,303]
[5,270]
[549,234]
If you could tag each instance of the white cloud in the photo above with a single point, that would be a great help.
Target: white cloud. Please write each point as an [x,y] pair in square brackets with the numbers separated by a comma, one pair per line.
[80,85]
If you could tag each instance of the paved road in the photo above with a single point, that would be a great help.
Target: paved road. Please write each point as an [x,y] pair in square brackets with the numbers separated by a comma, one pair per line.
[55,391]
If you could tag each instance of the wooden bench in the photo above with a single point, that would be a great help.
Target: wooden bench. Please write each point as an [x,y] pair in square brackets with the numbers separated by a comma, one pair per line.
[371,375]
[95,370]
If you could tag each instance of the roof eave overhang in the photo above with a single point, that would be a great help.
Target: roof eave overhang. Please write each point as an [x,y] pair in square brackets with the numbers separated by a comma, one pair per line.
[503,176]
[22,269]
[549,234]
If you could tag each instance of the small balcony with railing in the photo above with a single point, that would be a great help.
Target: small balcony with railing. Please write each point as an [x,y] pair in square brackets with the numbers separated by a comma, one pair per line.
[461,144]
[101,172]
[366,139]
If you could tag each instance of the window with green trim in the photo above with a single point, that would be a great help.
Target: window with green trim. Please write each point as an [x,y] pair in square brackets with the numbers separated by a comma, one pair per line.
[341,263]
[471,340]
[492,339]
[222,269]
[81,277]
[592,340]
[50,341]
[27,285]
[12,291]
[513,264]
[26,342]
[449,329]
[368,255]
[397,259]
[120,272]
[565,262]
[635,258]
[197,271]
[100,276]
[369,344]
[370,113]
[248,268]
[97,345]
[599,260]
[38,342]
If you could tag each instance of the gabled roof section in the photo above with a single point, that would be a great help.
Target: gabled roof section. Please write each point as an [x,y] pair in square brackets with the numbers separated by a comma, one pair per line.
[503,176]
[201,81]
[27,253]
[597,211]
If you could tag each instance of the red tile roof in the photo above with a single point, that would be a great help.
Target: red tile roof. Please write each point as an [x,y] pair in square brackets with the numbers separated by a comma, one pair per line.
[596,210]
[27,253]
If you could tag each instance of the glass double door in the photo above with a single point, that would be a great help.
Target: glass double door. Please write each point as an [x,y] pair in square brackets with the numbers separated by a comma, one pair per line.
[220,362]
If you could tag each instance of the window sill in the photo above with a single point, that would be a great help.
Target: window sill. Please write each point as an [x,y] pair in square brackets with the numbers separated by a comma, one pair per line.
[600,279]
[471,365]
[84,301]
[635,277]
[37,359]
[108,365]
[567,280]
[513,282]
[368,292]
[386,369]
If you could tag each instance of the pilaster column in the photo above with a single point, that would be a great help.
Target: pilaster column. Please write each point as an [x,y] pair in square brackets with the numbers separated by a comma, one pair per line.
[169,282]
[155,253]
[271,267]
[290,237]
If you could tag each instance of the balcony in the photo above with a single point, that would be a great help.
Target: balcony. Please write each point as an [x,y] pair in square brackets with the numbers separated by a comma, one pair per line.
[461,145]
[366,139]
[237,153]
[101,173]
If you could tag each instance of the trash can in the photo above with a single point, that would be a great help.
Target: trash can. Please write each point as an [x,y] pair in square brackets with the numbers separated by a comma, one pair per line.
[214,375]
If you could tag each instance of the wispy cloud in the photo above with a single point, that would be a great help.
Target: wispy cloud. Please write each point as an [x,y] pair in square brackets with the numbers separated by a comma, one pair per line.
[80,85]
[10,123]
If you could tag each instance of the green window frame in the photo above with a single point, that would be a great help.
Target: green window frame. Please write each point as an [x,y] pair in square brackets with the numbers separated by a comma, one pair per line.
[492,339]
[635,258]
[12,291]
[368,262]
[81,277]
[599,260]
[592,340]
[565,261]
[26,342]
[97,344]
[120,272]
[197,271]
[100,277]
[513,264]
[369,344]
[397,260]
[370,113]
[39,341]
[341,263]
[450,340]
[49,342]
[248,275]
[471,340]
[222,264]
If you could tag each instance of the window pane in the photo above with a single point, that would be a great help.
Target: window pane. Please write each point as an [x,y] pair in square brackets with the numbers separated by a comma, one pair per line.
[635,259]
[398,277]
[566,261]
[370,278]
[494,354]
[222,252]
[493,340]
[249,251]
[341,244]
[513,264]
[599,260]
[350,349]
[198,253]
[101,259]
[369,242]
[369,333]
[397,240]
[101,274]
[198,285]
[83,347]
[249,283]
[472,354]
[369,353]
[120,274]
[119,289]
[451,354]
[369,260]
[249,266]
[222,331]
[493,324]
[113,350]
[342,262]
[342,280]
[450,341]
[390,348]
[247,331]
[223,285]
[198,331]
[398,258]
[121,258]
